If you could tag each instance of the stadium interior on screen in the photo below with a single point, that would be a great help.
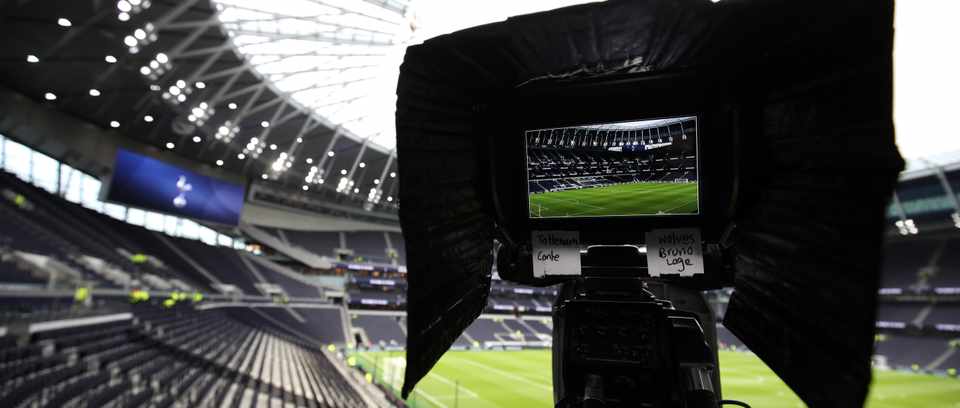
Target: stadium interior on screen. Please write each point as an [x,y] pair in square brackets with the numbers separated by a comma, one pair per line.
[145,182]
[643,167]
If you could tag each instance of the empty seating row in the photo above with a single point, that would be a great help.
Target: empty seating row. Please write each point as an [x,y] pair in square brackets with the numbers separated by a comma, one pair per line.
[368,246]
[903,351]
[174,357]
[43,223]
[390,330]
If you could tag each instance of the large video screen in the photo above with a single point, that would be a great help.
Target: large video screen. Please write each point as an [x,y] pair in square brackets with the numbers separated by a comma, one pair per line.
[145,182]
[636,168]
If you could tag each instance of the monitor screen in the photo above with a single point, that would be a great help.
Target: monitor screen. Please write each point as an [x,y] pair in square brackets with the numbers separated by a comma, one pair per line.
[635,168]
[145,182]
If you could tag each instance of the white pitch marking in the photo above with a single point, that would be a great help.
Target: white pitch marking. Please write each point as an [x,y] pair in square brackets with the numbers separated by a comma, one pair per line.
[509,375]
[431,399]
[451,383]
[681,205]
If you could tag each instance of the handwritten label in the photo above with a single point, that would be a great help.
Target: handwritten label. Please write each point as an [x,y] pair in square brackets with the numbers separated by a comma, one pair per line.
[556,253]
[674,252]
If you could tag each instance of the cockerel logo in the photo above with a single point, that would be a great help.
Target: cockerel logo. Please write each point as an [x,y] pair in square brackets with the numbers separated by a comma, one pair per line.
[180,200]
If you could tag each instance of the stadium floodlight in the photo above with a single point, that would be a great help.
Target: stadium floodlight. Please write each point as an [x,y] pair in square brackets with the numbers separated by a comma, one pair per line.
[140,38]
[32,59]
[393,174]
[50,96]
[157,67]
[373,196]
[148,118]
[264,124]
[178,92]
[254,147]
[63,22]
[94,92]
[197,139]
[309,160]
[362,165]
[123,16]
[200,113]
[226,132]
[907,227]
[343,172]
[305,187]
[283,162]
[232,106]
[219,162]
[170,145]
[114,124]
[330,154]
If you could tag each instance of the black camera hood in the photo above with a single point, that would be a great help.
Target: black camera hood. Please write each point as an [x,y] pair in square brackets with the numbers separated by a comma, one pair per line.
[804,240]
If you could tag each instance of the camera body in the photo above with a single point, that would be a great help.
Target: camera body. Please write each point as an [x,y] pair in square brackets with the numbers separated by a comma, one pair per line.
[617,343]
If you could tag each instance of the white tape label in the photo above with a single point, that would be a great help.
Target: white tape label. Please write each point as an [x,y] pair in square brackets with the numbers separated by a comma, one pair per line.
[674,252]
[556,253]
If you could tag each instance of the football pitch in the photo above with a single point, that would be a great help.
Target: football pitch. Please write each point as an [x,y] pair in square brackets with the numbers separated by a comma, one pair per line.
[619,199]
[514,379]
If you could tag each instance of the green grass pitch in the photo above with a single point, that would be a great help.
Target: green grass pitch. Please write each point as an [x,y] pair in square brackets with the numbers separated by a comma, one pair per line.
[619,199]
[514,379]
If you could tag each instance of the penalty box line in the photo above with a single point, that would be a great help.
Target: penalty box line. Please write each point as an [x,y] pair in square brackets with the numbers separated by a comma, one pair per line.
[577,203]
[506,374]
[451,383]
[430,398]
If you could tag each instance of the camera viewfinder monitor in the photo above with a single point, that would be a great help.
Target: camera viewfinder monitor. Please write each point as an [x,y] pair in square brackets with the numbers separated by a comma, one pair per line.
[645,167]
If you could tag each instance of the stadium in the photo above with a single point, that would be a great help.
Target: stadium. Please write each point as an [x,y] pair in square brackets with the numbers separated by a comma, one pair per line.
[634,168]
[199,206]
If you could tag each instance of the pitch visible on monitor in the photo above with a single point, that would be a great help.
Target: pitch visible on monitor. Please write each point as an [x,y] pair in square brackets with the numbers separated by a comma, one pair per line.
[636,168]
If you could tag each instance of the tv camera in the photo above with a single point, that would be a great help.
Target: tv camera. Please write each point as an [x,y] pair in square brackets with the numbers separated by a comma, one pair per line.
[637,154]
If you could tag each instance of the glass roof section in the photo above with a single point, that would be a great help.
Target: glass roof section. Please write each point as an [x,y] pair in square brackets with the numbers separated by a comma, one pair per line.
[337,57]
[341,58]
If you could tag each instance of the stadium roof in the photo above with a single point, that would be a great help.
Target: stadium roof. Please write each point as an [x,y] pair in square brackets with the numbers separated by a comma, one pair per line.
[338,58]
[295,93]
[298,94]
[169,74]
[639,124]
[927,166]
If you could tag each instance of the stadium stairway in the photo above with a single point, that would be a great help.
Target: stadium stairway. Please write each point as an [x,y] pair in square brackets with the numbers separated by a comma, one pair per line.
[298,253]
[292,282]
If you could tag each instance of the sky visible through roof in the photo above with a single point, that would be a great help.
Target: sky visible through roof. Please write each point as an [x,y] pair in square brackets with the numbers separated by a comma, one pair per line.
[341,58]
